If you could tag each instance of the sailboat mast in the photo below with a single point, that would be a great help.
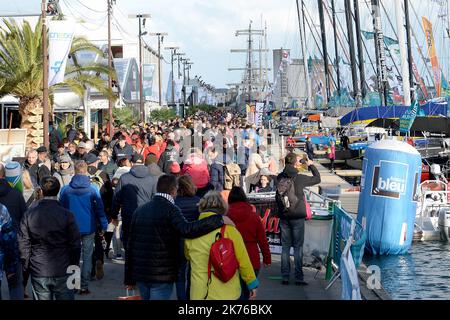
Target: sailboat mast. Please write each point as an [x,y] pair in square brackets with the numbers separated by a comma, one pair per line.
[362,74]
[408,43]
[301,27]
[402,43]
[351,41]
[380,53]
[324,49]
[250,56]
[336,49]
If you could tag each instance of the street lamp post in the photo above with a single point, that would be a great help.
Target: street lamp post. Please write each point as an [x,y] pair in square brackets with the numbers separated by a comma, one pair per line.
[160,39]
[45,74]
[141,93]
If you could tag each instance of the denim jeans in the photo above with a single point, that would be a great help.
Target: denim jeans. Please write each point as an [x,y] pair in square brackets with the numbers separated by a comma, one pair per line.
[51,289]
[87,249]
[155,290]
[16,289]
[292,235]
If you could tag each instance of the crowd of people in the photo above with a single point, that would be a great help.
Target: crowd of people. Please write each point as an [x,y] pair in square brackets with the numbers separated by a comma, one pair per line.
[155,195]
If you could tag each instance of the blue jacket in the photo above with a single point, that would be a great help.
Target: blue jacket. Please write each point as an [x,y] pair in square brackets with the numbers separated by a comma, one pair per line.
[85,202]
[9,249]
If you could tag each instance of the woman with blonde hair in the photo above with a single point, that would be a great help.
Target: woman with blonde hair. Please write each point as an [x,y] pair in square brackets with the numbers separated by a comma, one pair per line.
[197,252]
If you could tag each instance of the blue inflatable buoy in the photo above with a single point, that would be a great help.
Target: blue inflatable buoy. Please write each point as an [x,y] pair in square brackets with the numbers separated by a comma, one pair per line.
[389,194]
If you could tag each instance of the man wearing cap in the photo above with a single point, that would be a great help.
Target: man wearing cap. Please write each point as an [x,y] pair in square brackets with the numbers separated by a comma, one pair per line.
[35,167]
[134,189]
[81,149]
[43,157]
[122,149]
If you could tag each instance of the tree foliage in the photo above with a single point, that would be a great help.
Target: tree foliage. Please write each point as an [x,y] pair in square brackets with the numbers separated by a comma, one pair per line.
[163,114]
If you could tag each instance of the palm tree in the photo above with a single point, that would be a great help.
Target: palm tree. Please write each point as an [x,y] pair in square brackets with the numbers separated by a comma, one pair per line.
[21,68]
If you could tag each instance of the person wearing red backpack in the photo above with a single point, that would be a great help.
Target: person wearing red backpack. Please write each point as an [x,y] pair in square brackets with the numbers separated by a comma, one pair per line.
[249,224]
[205,279]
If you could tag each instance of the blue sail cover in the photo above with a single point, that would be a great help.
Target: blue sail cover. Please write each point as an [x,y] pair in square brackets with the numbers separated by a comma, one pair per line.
[362,114]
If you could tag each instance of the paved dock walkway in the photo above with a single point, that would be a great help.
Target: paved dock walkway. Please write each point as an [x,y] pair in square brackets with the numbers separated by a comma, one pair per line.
[110,287]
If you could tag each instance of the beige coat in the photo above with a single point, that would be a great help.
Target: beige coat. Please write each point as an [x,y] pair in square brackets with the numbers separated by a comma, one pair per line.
[255,164]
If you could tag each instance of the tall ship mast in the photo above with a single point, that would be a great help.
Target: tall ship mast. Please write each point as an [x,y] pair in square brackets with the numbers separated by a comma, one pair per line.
[255,81]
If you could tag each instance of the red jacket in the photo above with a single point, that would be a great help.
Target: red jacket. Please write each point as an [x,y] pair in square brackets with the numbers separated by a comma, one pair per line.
[155,149]
[249,224]
[196,167]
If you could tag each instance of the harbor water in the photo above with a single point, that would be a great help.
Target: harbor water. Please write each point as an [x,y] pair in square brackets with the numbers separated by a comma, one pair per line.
[421,274]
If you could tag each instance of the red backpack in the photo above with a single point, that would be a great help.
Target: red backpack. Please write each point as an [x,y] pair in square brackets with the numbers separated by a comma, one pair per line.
[222,258]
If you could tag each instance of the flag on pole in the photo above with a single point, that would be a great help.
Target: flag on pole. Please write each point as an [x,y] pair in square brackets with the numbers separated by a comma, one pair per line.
[428,29]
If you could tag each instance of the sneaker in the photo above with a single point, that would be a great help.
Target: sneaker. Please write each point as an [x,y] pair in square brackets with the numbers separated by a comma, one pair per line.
[99,270]
[301,283]
[110,254]
[83,292]
[285,282]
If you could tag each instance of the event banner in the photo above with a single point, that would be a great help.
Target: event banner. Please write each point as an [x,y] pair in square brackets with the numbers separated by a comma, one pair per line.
[147,81]
[428,29]
[259,114]
[407,120]
[60,37]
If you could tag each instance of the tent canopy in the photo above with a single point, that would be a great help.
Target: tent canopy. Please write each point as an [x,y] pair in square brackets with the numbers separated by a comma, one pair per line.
[395,112]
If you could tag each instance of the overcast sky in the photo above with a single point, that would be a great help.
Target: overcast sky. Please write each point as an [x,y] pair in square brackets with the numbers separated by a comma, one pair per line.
[205,29]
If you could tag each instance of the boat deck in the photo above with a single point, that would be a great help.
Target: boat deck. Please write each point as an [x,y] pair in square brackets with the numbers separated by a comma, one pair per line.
[349,197]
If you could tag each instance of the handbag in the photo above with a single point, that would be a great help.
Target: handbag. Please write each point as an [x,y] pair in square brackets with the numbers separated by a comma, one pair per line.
[308,210]
[130,296]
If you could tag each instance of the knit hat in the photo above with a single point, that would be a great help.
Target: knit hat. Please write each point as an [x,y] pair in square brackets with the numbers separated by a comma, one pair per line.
[65,158]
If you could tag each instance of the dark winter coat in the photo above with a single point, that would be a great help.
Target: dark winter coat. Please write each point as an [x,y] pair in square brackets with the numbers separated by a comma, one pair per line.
[13,200]
[134,189]
[166,159]
[49,239]
[153,246]
[301,181]
[217,172]
[189,207]
[37,171]
[119,153]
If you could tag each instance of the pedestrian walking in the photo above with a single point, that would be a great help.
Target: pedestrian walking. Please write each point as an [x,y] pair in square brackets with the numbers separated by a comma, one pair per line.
[85,202]
[152,259]
[49,242]
[253,232]
[198,252]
